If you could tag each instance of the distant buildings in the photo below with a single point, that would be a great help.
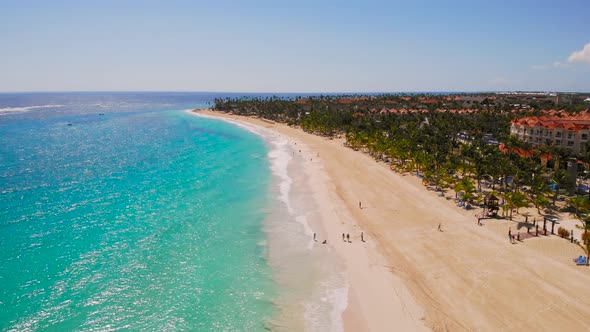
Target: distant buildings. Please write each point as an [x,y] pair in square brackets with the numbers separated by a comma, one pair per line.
[563,131]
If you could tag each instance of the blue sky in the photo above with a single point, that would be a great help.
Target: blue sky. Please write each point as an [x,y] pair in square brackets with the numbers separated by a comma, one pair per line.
[294,46]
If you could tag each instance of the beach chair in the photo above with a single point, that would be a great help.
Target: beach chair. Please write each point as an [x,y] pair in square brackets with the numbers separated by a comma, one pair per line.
[582,260]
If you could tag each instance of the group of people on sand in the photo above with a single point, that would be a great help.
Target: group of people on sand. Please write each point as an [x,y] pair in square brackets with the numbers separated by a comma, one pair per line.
[310,159]
[316,240]
[345,238]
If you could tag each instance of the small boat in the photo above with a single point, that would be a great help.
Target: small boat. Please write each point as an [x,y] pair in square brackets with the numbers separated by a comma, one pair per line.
[69,124]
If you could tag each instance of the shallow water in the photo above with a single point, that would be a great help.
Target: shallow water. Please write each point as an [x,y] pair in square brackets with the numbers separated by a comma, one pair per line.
[312,291]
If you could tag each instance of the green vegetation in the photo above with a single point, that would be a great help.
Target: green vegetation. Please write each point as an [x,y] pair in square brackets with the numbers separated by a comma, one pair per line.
[430,136]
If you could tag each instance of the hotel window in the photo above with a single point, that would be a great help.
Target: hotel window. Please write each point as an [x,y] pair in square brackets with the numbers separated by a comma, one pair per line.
[584,137]
[570,135]
[570,143]
[558,134]
[557,142]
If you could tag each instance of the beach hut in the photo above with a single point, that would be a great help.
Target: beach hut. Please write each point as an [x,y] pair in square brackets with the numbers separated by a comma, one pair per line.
[491,203]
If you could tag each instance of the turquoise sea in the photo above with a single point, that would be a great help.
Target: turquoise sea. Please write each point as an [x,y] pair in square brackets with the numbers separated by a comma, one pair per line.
[121,211]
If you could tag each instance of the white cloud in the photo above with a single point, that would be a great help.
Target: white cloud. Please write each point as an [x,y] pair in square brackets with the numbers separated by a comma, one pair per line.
[555,64]
[577,56]
[580,56]
[558,64]
[539,67]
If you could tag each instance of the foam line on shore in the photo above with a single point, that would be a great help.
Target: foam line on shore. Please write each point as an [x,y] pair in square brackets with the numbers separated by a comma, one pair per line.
[333,289]
[280,159]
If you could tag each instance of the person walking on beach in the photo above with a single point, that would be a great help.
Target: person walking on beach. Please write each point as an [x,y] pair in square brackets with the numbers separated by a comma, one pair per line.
[348,238]
[360,206]
[314,237]
[510,234]
[439,227]
[343,240]
[362,237]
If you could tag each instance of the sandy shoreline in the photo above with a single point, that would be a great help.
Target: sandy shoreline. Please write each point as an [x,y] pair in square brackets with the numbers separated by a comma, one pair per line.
[377,299]
[408,276]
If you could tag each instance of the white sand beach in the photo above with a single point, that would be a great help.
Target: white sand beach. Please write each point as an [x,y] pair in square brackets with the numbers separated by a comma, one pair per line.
[408,276]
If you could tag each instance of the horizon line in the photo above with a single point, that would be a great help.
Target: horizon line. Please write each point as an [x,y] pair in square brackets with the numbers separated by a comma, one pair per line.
[298,92]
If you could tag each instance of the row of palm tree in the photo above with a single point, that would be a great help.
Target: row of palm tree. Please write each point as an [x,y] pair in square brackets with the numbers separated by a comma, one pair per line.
[449,150]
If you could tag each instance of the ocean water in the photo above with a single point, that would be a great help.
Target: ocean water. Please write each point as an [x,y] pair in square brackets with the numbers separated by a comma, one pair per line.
[121,211]
[312,288]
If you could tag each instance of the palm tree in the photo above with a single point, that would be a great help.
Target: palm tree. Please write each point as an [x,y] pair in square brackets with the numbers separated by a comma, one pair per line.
[541,201]
[579,203]
[466,186]
[561,179]
[515,199]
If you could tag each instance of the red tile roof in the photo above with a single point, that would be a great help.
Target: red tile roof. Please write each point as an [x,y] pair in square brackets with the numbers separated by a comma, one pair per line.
[518,151]
[557,119]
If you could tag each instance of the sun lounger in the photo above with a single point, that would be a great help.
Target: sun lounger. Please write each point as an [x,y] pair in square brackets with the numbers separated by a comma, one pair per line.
[582,260]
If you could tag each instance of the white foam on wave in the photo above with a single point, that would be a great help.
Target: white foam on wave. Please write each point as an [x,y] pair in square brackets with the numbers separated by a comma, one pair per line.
[336,296]
[306,229]
[280,158]
[7,110]
[251,128]
[331,297]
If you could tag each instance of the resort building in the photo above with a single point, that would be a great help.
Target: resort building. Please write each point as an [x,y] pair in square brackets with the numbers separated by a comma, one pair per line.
[569,131]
